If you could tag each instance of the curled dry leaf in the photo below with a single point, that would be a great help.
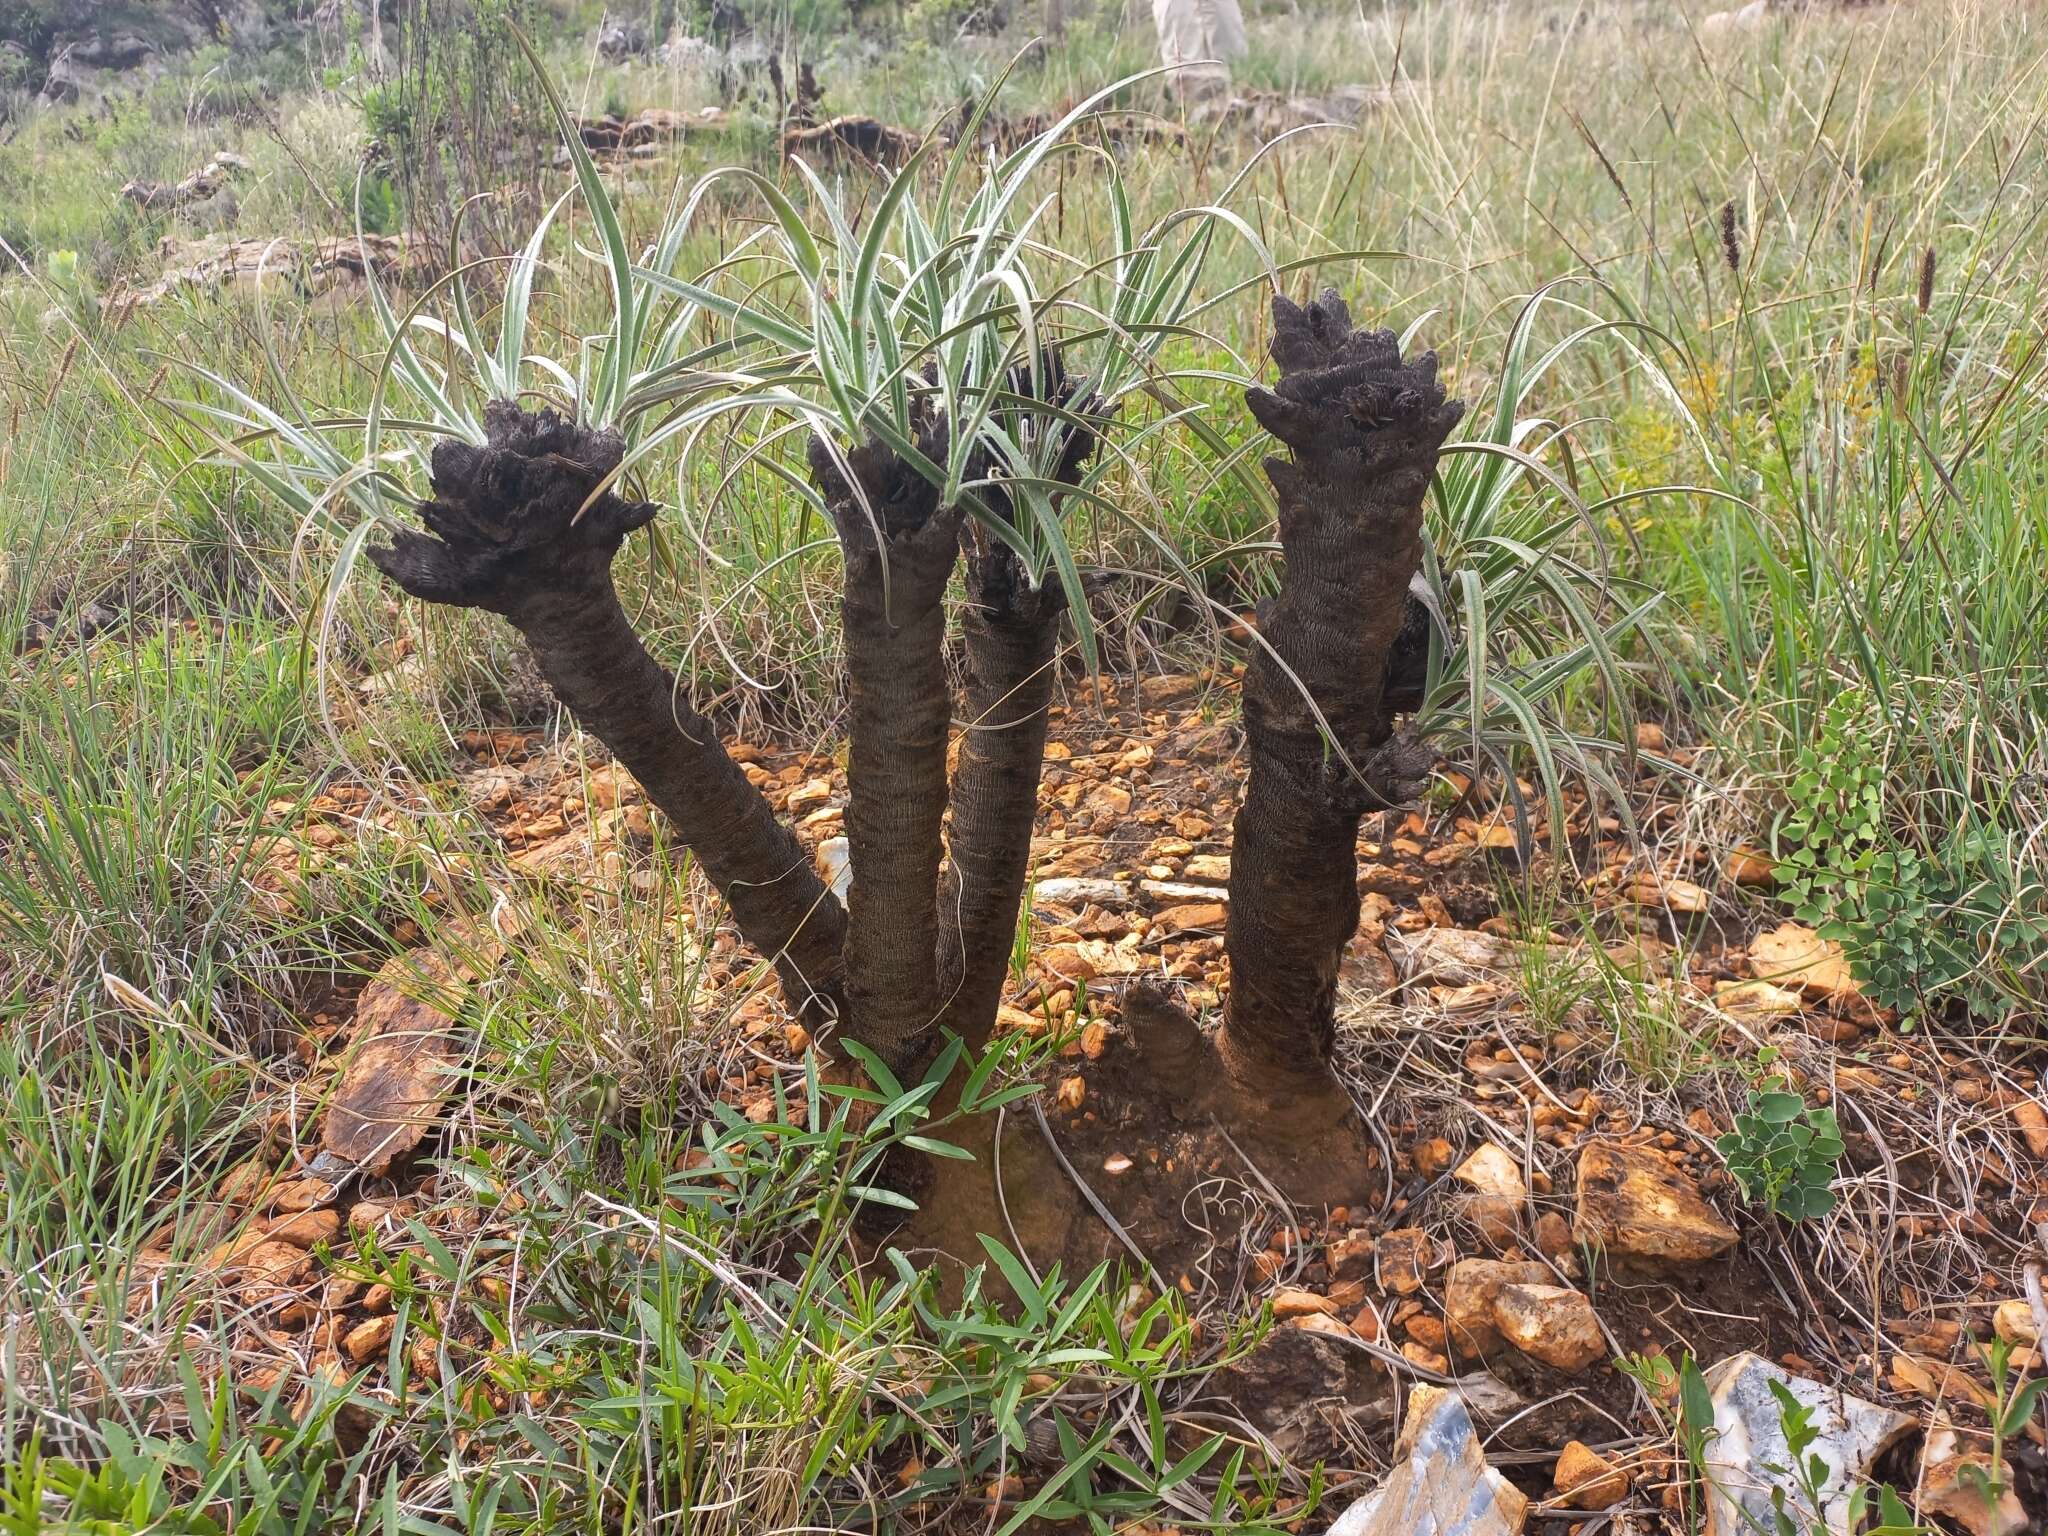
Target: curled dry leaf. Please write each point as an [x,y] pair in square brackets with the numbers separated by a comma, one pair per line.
[1935,1380]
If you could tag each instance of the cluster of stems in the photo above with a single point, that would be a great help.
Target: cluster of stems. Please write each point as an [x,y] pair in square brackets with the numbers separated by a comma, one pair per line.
[920,947]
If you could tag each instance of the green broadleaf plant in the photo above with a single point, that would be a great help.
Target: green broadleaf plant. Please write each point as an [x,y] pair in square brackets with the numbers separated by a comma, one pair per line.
[1783,1153]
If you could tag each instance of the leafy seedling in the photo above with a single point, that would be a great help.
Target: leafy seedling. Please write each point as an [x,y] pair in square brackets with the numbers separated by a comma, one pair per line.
[1783,1153]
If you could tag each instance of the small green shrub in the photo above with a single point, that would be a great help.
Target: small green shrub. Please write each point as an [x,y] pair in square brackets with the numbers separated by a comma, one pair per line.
[1922,926]
[382,211]
[387,117]
[2014,1401]
[1783,1153]
[69,281]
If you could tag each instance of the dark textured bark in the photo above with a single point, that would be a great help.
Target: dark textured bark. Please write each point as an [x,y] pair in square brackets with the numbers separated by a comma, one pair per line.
[503,534]
[900,547]
[1364,429]
[1009,631]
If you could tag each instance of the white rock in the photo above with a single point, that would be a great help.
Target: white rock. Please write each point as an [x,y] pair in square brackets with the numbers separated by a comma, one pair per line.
[835,864]
[1079,890]
[1750,1437]
[1441,1484]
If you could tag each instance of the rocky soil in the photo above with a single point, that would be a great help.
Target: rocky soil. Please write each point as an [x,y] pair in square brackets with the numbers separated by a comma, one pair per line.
[1555,1233]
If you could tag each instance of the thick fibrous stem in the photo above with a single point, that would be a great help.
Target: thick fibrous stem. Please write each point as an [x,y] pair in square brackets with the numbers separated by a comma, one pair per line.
[900,546]
[1009,630]
[506,536]
[1364,429]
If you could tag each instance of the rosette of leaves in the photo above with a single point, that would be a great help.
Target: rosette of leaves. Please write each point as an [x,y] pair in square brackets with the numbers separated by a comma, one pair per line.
[1783,1153]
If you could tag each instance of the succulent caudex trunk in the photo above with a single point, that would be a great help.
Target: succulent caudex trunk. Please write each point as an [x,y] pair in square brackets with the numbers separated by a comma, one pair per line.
[900,548]
[508,531]
[1009,631]
[1363,429]
[516,526]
